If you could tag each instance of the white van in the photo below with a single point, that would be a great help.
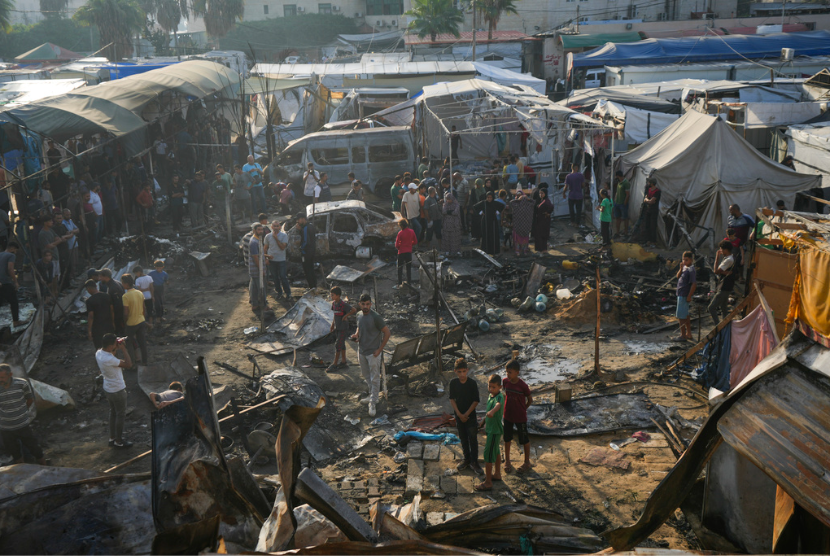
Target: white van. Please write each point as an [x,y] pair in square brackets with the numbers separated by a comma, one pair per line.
[594,77]
[375,155]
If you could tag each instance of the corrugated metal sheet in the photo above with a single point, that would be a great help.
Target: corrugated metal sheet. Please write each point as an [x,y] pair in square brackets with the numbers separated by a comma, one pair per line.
[783,426]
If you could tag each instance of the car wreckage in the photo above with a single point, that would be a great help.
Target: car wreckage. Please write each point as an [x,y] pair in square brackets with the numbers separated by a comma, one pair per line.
[345,226]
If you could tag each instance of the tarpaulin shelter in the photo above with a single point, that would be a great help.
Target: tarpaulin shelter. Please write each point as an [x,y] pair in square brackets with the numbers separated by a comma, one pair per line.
[47,53]
[586,100]
[639,125]
[702,167]
[702,49]
[126,107]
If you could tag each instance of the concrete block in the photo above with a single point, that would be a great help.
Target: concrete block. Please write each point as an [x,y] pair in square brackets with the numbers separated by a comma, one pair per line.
[431,484]
[432,452]
[373,482]
[449,485]
[312,490]
[415,468]
[414,485]
[373,491]
[414,450]
[466,485]
[346,485]
[359,485]
[435,518]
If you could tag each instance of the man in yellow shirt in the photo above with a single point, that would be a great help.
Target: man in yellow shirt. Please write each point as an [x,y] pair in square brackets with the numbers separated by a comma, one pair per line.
[136,326]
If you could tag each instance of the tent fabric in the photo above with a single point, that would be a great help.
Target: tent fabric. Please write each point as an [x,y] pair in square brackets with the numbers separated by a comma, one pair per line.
[598,39]
[809,145]
[116,106]
[752,341]
[771,114]
[703,166]
[810,303]
[507,77]
[640,125]
[715,366]
[701,49]
[47,52]
[586,100]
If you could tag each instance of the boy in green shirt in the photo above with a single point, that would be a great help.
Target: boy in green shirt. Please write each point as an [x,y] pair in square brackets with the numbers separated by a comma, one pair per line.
[494,427]
[605,217]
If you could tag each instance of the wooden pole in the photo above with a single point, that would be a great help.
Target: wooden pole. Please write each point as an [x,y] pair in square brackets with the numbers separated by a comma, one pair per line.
[596,339]
[222,420]
[439,362]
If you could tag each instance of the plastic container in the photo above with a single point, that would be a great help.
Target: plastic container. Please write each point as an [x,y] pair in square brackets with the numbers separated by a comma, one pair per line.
[483,325]
[542,298]
[540,307]
[363,252]
[570,265]
[563,293]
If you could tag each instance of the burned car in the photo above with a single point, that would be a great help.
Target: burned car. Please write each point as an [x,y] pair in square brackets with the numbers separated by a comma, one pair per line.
[345,226]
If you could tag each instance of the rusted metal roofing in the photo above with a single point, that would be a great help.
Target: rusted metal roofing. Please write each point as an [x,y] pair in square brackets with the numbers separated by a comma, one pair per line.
[783,426]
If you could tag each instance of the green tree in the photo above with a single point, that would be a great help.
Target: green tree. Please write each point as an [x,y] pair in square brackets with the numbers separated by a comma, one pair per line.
[493,10]
[435,17]
[64,32]
[220,15]
[53,9]
[117,22]
[272,37]
[169,14]
[6,7]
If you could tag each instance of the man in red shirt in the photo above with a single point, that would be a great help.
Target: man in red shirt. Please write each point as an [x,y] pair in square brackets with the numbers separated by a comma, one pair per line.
[515,414]
[405,241]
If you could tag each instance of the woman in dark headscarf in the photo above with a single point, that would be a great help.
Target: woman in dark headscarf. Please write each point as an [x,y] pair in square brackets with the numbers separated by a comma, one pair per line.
[451,227]
[476,196]
[522,209]
[541,231]
[651,204]
[488,211]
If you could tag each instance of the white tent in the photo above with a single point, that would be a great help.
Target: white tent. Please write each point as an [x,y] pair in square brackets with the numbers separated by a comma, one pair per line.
[809,144]
[507,77]
[640,125]
[702,167]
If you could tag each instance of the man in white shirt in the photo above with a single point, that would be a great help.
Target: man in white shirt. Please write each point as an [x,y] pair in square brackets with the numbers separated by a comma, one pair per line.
[411,208]
[145,285]
[98,209]
[114,387]
[311,184]
[276,242]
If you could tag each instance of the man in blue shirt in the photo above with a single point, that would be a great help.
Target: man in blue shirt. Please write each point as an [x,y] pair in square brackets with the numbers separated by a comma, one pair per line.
[257,190]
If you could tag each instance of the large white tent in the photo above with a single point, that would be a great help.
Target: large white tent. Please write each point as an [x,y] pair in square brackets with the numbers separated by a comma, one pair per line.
[702,167]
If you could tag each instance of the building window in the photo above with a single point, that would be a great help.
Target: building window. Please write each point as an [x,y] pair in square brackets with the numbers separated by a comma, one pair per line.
[265,9]
[289,10]
[384,7]
[323,8]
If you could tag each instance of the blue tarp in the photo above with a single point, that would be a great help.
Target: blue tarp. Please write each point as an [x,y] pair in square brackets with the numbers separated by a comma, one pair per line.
[704,49]
[120,71]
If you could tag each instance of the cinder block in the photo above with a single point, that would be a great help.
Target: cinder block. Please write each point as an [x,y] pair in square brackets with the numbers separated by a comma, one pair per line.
[414,450]
[415,467]
[414,485]
[466,485]
[432,452]
[449,485]
[431,484]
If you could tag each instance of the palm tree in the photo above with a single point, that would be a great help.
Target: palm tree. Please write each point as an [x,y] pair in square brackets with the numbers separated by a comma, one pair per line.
[6,7]
[435,17]
[493,10]
[117,22]
[220,15]
[169,14]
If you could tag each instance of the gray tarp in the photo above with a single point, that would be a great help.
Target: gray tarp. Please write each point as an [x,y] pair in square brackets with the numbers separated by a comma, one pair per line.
[117,106]
[701,163]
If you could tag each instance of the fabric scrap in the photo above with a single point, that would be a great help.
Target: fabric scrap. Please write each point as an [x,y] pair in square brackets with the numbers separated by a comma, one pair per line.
[752,341]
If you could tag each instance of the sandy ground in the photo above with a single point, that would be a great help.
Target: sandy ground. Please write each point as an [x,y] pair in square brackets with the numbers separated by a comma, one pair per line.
[596,497]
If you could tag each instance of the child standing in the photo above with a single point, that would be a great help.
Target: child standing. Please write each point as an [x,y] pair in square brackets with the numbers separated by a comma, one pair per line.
[605,208]
[160,278]
[515,414]
[406,240]
[686,286]
[464,399]
[144,284]
[494,427]
[342,312]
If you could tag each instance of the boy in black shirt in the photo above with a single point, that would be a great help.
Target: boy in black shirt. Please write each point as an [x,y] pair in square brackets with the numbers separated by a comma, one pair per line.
[464,399]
